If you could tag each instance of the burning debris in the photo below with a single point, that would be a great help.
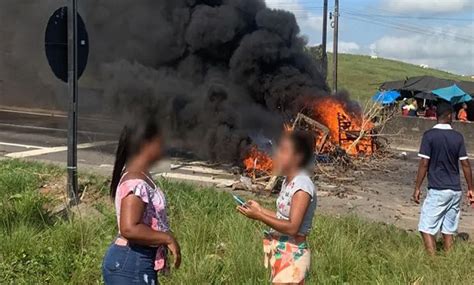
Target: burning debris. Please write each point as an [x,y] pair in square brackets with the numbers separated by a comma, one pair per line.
[320,131]
[341,136]
[257,162]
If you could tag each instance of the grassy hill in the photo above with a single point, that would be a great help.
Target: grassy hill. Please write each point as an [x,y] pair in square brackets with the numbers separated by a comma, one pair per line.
[362,75]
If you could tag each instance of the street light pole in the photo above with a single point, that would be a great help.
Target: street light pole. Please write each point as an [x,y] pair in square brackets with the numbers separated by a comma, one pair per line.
[72,183]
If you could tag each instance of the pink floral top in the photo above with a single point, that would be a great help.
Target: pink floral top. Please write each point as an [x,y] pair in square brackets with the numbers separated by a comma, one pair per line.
[155,212]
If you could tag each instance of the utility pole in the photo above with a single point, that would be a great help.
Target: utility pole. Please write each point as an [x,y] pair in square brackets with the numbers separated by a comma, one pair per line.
[72,184]
[335,42]
[325,27]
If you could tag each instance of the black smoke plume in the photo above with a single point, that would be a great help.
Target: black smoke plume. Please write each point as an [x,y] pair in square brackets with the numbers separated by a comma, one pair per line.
[214,72]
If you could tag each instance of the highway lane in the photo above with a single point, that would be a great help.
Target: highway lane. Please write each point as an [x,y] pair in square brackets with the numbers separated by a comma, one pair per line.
[43,137]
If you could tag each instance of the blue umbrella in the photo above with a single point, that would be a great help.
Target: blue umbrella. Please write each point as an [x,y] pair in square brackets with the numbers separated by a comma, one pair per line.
[453,94]
[386,97]
[465,98]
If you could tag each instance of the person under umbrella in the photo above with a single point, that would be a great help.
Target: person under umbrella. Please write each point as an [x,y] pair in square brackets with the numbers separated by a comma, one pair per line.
[462,114]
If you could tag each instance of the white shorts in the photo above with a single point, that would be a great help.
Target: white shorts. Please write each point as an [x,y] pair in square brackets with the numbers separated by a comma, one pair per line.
[440,211]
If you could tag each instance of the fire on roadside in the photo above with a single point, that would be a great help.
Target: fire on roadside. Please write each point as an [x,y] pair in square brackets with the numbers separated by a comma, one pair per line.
[257,160]
[347,129]
[345,126]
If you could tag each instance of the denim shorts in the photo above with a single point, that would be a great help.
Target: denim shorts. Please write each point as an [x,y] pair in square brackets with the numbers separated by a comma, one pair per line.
[440,211]
[129,264]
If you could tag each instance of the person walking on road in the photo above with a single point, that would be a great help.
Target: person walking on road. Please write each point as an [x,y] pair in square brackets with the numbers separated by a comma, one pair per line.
[442,148]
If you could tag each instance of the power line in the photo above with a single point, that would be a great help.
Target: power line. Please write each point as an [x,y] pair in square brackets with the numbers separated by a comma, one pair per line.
[415,28]
[409,29]
[385,20]
[399,26]
[416,17]
[302,8]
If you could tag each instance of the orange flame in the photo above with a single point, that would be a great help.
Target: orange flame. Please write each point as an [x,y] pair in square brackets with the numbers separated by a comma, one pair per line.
[344,128]
[344,125]
[257,160]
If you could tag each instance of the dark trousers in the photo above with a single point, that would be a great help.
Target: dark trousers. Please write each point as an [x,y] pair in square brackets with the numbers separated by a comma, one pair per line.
[130,264]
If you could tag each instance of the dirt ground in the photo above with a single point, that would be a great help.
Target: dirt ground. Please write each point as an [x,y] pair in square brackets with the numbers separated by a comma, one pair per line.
[376,190]
[381,191]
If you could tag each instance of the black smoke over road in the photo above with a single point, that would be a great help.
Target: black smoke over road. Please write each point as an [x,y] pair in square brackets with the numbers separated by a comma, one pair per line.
[213,72]
[25,77]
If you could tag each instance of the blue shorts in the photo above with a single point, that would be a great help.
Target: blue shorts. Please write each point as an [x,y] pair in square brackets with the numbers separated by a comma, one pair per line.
[130,264]
[440,211]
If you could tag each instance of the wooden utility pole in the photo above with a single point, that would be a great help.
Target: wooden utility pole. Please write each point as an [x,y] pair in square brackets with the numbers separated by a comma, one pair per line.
[335,42]
[325,27]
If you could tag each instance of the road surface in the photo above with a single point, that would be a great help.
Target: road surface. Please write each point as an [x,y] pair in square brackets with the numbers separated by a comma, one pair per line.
[381,195]
[42,135]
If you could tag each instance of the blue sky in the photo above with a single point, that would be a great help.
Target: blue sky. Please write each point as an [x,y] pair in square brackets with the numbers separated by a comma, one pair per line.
[436,33]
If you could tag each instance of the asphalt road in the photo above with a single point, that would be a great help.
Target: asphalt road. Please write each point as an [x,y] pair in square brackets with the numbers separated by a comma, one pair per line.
[43,136]
[39,135]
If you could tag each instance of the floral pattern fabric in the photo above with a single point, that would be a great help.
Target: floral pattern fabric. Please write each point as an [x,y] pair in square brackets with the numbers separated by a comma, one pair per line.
[155,214]
[289,261]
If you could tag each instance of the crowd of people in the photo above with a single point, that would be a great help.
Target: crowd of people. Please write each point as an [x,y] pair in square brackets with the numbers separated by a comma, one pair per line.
[409,107]
[144,236]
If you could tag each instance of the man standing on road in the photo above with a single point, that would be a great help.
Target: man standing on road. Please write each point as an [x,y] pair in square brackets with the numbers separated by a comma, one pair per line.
[442,148]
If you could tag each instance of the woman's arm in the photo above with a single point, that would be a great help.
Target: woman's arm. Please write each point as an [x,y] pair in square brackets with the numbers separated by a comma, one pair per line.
[269,213]
[299,204]
[131,228]
[260,208]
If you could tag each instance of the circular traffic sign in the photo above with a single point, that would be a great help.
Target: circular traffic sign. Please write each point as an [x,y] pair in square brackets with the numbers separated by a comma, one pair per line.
[56,44]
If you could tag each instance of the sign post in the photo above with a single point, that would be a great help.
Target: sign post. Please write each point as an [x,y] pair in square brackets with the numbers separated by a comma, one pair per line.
[72,183]
[67,50]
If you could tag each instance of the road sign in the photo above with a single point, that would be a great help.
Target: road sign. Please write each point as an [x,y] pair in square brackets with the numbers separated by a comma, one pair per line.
[67,50]
[57,48]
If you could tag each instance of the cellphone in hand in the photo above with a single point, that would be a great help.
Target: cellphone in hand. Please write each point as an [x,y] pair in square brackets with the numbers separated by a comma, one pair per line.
[238,200]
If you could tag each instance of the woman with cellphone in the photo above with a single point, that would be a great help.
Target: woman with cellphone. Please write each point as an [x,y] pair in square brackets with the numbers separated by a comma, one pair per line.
[144,237]
[285,246]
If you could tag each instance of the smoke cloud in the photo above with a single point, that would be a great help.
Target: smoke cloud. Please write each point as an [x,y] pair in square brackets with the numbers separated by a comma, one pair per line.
[214,72]
[25,78]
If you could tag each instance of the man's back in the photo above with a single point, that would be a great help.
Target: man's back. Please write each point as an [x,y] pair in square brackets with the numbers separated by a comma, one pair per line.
[444,147]
[441,150]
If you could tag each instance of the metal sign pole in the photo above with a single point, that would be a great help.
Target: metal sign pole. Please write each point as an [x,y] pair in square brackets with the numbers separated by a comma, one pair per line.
[72,91]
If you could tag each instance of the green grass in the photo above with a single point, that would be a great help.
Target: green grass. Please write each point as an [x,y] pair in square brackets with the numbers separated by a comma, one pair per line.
[361,75]
[218,245]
